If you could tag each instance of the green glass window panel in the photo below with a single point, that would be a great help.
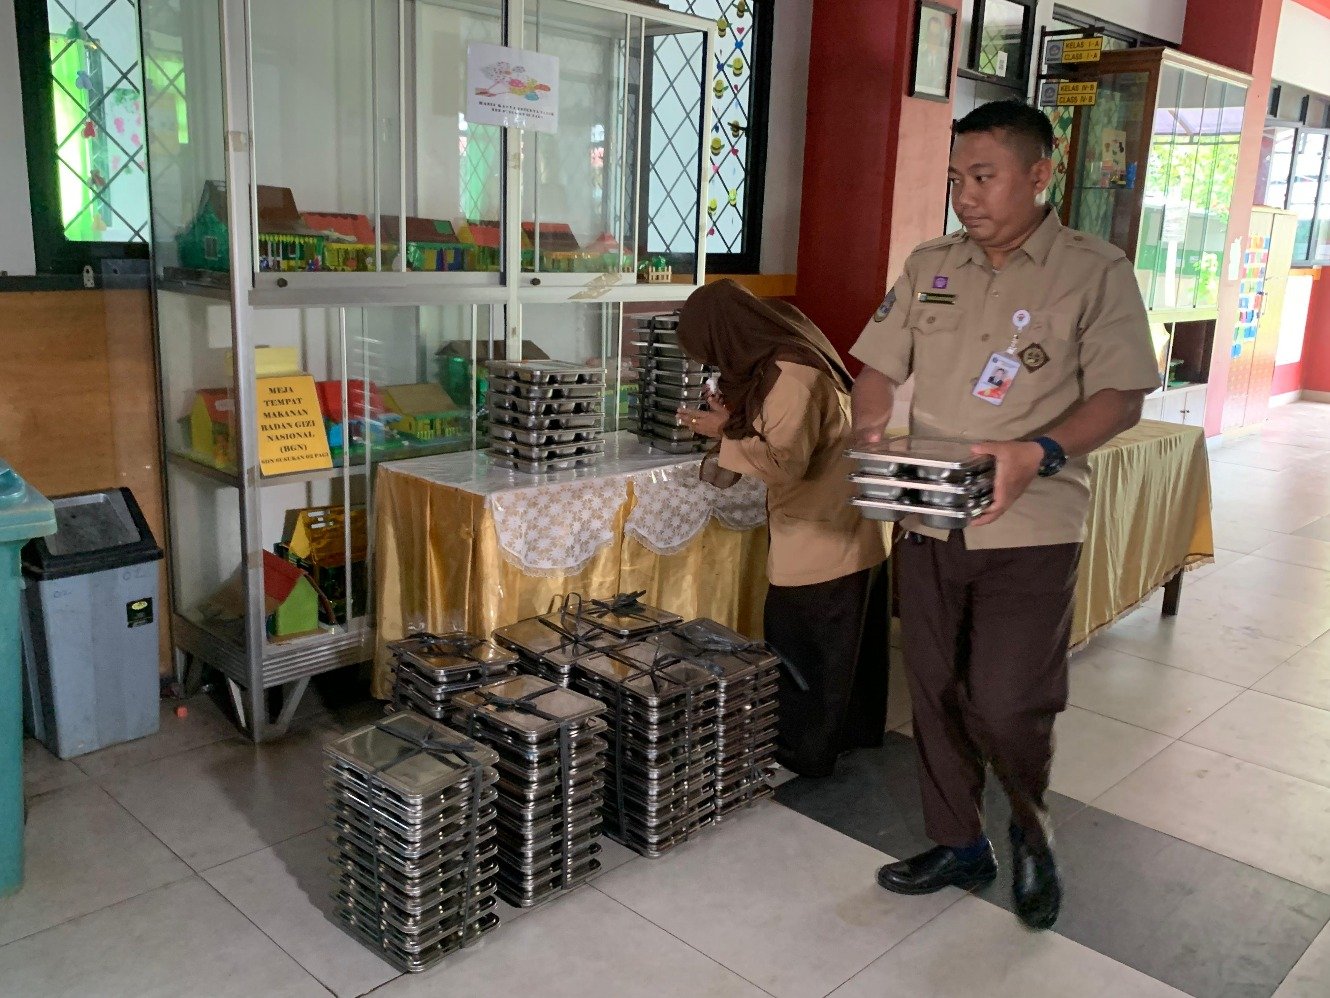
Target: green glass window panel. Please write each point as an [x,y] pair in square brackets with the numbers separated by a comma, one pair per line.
[1001,37]
[1159,216]
[99,118]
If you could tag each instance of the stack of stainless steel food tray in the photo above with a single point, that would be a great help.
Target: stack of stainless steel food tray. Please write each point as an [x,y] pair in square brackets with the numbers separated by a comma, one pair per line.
[666,379]
[414,861]
[429,669]
[548,645]
[660,784]
[940,481]
[748,677]
[545,415]
[551,779]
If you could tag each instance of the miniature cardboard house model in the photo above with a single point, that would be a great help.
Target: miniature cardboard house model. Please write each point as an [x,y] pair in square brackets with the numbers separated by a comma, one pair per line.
[210,420]
[431,244]
[427,412]
[349,241]
[315,541]
[290,602]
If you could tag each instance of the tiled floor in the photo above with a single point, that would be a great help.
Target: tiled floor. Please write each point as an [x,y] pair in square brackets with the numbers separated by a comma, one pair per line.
[1192,804]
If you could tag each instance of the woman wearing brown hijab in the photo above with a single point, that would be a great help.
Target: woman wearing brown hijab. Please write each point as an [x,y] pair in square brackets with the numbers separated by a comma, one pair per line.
[782,415]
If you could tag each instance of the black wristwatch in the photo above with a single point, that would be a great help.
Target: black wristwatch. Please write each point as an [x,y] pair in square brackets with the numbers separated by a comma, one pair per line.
[1055,458]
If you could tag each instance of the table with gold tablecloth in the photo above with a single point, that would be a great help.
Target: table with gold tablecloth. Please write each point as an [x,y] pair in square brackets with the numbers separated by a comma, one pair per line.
[462,546]
[1149,520]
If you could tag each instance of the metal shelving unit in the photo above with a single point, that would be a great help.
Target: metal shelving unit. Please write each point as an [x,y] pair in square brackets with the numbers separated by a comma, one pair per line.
[351,114]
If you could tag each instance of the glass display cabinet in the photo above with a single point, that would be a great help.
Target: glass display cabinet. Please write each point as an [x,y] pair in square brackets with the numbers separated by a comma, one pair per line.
[328,223]
[1150,167]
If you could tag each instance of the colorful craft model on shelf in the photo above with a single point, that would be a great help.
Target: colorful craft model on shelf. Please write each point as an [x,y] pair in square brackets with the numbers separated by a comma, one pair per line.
[315,542]
[349,241]
[656,271]
[366,420]
[285,241]
[291,602]
[425,413]
[484,242]
[209,428]
[431,244]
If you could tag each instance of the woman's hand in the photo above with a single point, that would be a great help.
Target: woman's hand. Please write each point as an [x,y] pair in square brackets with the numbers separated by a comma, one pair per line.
[705,422]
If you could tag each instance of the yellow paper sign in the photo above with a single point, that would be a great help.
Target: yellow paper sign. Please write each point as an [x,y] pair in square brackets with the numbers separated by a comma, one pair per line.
[1060,51]
[291,434]
[1075,94]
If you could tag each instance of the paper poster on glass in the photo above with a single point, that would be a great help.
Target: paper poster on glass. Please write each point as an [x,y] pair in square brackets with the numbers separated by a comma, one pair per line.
[512,88]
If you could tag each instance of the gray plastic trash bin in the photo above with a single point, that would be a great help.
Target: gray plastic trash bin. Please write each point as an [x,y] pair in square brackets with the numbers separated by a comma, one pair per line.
[91,625]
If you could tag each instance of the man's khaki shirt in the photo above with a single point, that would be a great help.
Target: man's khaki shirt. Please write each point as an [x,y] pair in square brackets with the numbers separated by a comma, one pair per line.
[950,311]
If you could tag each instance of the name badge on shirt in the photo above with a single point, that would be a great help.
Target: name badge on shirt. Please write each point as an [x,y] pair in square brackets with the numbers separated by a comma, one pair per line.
[997,377]
[935,298]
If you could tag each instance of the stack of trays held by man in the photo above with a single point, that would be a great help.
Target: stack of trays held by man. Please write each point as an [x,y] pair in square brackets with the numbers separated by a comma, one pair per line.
[414,868]
[667,379]
[747,682]
[940,481]
[549,645]
[551,762]
[545,415]
[660,785]
[429,669]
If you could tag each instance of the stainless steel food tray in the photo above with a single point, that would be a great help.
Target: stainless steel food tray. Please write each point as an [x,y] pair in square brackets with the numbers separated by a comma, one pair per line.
[511,420]
[542,438]
[523,390]
[546,372]
[930,516]
[543,467]
[941,460]
[544,408]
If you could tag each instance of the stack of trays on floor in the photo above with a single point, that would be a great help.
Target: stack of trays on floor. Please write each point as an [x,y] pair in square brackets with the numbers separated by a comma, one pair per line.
[667,379]
[661,779]
[939,480]
[549,645]
[413,826]
[429,669]
[551,762]
[748,676]
[545,415]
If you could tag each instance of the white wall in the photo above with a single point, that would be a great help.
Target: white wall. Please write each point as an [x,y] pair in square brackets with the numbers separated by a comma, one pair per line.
[1300,48]
[15,214]
[1161,18]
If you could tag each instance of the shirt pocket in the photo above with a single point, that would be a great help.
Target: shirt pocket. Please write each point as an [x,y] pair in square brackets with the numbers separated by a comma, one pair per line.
[1050,343]
[934,329]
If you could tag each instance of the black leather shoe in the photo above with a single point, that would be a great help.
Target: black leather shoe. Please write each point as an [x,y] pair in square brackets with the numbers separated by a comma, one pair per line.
[1036,886]
[938,868]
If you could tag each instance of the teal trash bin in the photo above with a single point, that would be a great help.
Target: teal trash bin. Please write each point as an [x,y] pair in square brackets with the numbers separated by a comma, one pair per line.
[24,514]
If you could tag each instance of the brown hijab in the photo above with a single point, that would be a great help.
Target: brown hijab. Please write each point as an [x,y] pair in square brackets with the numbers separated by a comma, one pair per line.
[728,327]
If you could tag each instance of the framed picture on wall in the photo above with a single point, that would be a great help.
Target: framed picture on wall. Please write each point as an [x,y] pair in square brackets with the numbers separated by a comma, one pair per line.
[934,48]
[1001,40]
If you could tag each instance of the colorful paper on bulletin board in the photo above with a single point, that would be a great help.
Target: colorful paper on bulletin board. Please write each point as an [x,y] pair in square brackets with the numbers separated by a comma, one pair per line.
[512,88]
[291,433]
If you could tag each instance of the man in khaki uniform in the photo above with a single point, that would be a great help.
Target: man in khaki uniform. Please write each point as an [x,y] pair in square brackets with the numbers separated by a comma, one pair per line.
[1030,341]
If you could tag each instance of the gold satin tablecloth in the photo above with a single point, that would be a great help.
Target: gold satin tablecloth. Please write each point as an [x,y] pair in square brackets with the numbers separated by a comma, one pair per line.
[439,567]
[1149,519]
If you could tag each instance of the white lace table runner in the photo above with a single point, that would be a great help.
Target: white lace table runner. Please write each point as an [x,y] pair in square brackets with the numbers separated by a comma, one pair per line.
[673,507]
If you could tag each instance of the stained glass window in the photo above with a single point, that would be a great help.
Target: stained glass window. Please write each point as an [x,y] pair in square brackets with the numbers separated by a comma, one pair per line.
[98,114]
[732,149]
[1001,39]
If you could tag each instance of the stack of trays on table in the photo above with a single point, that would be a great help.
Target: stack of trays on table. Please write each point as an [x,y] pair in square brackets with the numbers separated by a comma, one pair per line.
[545,415]
[429,669]
[549,645]
[551,762]
[413,822]
[660,785]
[748,677]
[939,480]
[667,379]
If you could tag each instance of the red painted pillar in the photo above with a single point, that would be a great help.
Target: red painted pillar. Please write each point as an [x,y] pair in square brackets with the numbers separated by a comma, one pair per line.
[1239,34]
[1316,344]
[875,162]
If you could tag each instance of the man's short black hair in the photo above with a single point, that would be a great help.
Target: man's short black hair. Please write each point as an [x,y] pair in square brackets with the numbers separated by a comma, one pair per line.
[1025,125]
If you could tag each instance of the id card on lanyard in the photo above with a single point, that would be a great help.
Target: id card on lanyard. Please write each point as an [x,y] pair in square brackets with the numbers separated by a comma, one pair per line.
[1000,372]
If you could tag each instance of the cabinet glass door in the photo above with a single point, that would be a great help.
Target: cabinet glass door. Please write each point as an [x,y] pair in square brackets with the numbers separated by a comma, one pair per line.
[1105,198]
[1160,219]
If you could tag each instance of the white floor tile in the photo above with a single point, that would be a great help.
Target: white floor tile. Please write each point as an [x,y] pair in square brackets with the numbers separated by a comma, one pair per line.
[1091,753]
[975,948]
[177,940]
[1310,977]
[1305,677]
[1301,550]
[83,852]
[204,724]
[285,892]
[1144,693]
[1279,579]
[1255,612]
[1228,654]
[1239,535]
[1320,530]
[222,801]
[1279,734]
[789,904]
[43,771]
[585,946]
[1268,820]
